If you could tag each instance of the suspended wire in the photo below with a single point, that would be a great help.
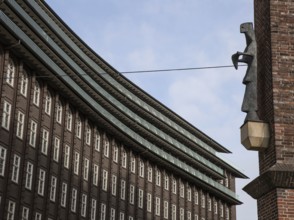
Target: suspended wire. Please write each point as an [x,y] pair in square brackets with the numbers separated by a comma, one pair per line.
[146,71]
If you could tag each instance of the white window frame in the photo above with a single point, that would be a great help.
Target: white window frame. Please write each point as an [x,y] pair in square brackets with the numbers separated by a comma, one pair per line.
[10,210]
[86,169]
[36,94]
[174,212]
[59,109]
[121,216]
[53,185]
[149,202]
[76,162]
[124,158]
[103,211]
[56,149]
[203,200]
[93,209]
[88,134]
[140,198]
[63,194]
[132,194]
[196,197]
[113,185]
[182,189]
[38,216]
[149,174]
[97,141]
[29,175]
[33,133]
[227,213]
[189,215]
[66,156]
[15,168]
[133,163]
[215,207]
[44,141]
[10,73]
[41,182]
[3,154]
[20,124]
[95,174]
[24,84]
[165,209]
[141,168]
[182,214]
[158,177]
[84,205]
[122,189]
[48,103]
[106,147]
[189,194]
[25,213]
[115,153]
[78,127]
[6,115]
[69,120]
[166,182]
[74,194]
[157,206]
[105,180]
[112,213]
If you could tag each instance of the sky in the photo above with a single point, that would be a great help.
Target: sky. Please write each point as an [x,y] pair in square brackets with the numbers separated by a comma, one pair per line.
[136,35]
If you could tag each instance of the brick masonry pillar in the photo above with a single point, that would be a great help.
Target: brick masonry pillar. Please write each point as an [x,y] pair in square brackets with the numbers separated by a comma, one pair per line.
[274,188]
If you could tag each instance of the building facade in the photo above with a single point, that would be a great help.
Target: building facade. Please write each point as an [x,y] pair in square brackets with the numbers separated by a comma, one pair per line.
[80,141]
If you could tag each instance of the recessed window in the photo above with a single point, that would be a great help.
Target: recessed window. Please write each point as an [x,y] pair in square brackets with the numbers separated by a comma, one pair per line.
[53,184]
[66,156]
[88,134]
[84,205]
[165,209]
[113,185]
[104,180]
[78,127]
[33,134]
[44,141]
[166,182]
[158,177]
[93,209]
[36,94]
[76,163]
[103,211]
[56,148]
[115,153]
[10,72]
[24,84]
[6,115]
[73,200]
[41,182]
[133,163]
[2,160]
[86,169]
[124,158]
[10,210]
[123,189]
[141,168]
[149,174]
[140,199]
[29,175]
[157,206]
[15,168]
[59,112]
[106,147]
[63,194]
[95,174]
[132,194]
[97,141]
[182,214]
[112,214]
[20,124]
[48,103]
[25,213]
[69,120]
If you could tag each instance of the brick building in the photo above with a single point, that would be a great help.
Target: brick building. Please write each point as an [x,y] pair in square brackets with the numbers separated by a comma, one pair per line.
[274,188]
[80,141]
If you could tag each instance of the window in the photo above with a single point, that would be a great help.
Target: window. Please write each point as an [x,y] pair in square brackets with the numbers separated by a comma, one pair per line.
[174,186]
[66,156]
[41,182]
[166,182]
[132,194]
[124,158]
[2,160]
[133,164]
[131,218]
[112,214]
[174,212]
[227,181]
[56,149]
[149,174]
[29,175]
[86,169]
[69,120]
[97,141]
[222,210]
[189,194]
[84,205]
[33,134]
[140,199]
[63,194]
[182,190]
[189,215]
[20,124]
[48,103]
[10,210]
[15,168]
[113,185]
[165,209]
[121,216]
[182,214]
[157,206]
[95,174]
[141,168]
[10,72]
[78,127]
[59,112]
[93,209]
[36,94]
[106,147]
[76,163]
[115,153]
[103,211]
[38,216]
[196,216]
[158,177]
[25,213]
[6,115]
[44,141]
[24,84]
[209,204]
[104,180]
[123,189]
[203,200]
[53,188]
[73,200]
[215,207]
[196,197]
[227,213]
[88,134]
[149,202]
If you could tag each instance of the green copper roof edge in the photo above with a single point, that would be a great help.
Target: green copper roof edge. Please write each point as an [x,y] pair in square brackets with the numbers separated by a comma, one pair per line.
[30,44]
[111,80]
[113,100]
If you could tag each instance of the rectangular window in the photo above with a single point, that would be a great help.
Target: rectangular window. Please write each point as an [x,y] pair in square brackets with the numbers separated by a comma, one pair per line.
[93,209]
[123,189]
[165,209]
[141,169]
[189,194]
[63,194]
[73,200]
[215,207]
[132,194]
[10,72]
[149,174]
[149,202]
[196,197]
[76,163]
[158,177]
[121,216]
[174,186]
[174,212]
[112,214]
[140,199]
[113,185]
[227,214]
[157,206]
[95,174]
[48,102]
[59,112]
[15,168]
[209,204]
[69,120]
[182,214]
[10,210]
[33,134]
[6,115]
[36,94]
[25,213]
[221,210]
[78,127]
[124,159]
[41,182]
[84,205]
[106,148]
[38,216]
[88,135]
[24,84]
[103,211]
[97,141]
[2,160]
[166,182]
[189,215]
[20,124]
[66,156]
[29,175]
[104,180]
[44,141]
[115,153]
[133,164]
[182,190]
[202,200]
[56,148]
[86,169]
[53,188]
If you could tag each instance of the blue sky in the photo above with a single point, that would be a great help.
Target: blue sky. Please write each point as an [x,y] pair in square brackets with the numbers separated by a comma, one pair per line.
[165,34]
